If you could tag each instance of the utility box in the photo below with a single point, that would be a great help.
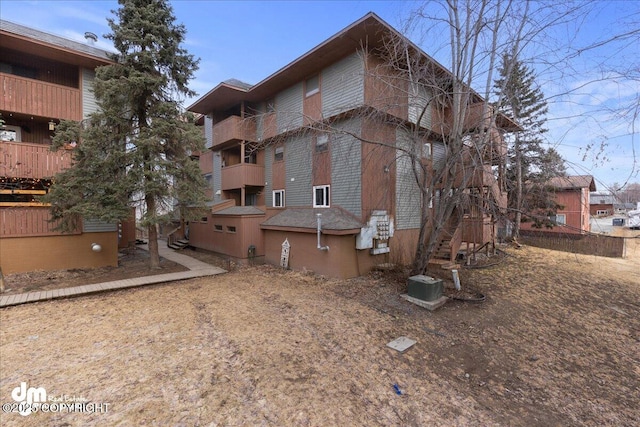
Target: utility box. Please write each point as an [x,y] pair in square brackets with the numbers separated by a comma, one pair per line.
[425,288]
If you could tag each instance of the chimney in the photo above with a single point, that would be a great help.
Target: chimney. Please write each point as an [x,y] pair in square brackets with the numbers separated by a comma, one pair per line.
[90,37]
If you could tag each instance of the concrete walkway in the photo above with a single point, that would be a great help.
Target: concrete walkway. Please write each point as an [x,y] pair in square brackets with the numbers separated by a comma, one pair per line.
[196,269]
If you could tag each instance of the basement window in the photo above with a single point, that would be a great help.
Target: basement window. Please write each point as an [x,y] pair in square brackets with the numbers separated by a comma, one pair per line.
[231,229]
[217,227]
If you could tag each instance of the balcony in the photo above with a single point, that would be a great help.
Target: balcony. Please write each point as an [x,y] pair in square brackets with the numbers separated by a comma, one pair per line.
[241,175]
[232,130]
[26,160]
[38,98]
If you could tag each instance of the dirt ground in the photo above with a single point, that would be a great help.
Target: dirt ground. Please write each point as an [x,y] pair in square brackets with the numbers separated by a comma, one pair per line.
[555,343]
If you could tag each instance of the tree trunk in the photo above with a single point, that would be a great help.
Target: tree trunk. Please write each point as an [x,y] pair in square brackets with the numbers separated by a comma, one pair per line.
[518,219]
[154,255]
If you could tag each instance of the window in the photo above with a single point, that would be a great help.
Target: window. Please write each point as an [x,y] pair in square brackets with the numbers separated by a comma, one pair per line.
[278,154]
[208,178]
[601,212]
[559,219]
[231,229]
[278,198]
[426,150]
[10,133]
[322,143]
[312,85]
[271,106]
[321,196]
[250,199]
[217,227]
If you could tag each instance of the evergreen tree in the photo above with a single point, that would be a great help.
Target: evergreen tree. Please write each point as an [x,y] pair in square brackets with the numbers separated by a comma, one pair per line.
[137,149]
[529,162]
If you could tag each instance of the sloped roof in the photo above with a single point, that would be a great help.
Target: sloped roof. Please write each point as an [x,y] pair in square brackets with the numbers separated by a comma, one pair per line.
[573,182]
[30,40]
[335,219]
[239,210]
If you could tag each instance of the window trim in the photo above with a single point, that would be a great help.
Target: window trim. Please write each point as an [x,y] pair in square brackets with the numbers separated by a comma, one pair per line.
[564,219]
[326,195]
[324,145]
[307,92]
[282,199]
[275,153]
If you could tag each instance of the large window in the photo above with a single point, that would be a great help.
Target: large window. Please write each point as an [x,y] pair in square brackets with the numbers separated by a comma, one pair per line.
[321,196]
[278,198]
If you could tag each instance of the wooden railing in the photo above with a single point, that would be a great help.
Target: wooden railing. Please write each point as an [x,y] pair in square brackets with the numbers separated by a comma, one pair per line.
[38,98]
[242,174]
[26,160]
[27,222]
[233,128]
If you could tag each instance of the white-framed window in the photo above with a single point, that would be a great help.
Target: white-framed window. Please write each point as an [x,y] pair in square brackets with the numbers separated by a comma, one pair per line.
[559,219]
[601,212]
[426,150]
[321,196]
[322,143]
[312,85]
[278,198]
[278,154]
[11,133]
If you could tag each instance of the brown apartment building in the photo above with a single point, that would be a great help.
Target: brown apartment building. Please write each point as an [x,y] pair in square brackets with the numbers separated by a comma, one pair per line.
[278,177]
[44,79]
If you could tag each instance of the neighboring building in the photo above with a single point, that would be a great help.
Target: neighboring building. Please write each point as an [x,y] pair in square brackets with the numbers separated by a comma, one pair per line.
[572,194]
[44,79]
[277,176]
[602,204]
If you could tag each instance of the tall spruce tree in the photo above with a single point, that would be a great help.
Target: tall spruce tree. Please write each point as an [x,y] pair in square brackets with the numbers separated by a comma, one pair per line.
[530,163]
[136,151]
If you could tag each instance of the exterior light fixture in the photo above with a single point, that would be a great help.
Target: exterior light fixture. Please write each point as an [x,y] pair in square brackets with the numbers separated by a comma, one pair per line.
[95,247]
[52,125]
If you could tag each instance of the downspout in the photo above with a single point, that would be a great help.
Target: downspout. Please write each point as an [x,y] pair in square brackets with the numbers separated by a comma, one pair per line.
[322,248]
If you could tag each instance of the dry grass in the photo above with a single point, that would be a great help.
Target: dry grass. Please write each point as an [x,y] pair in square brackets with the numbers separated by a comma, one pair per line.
[556,343]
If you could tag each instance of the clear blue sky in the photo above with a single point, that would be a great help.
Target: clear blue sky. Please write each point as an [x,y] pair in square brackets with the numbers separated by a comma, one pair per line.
[250,40]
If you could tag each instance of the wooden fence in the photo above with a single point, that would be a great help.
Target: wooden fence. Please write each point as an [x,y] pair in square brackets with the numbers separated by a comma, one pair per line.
[588,244]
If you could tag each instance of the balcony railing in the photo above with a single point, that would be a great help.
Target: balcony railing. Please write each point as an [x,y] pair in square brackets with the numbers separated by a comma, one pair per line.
[26,160]
[241,175]
[38,98]
[233,129]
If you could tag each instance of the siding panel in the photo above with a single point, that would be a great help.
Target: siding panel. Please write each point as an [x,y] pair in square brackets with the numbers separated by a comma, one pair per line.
[89,104]
[408,195]
[268,176]
[346,168]
[298,166]
[289,108]
[343,85]
[208,131]
[217,176]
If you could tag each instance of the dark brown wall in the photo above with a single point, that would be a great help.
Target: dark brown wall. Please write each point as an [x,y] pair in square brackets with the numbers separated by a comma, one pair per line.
[378,168]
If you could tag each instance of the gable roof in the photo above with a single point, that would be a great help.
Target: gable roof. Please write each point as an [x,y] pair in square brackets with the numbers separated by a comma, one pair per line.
[370,29]
[573,182]
[29,40]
